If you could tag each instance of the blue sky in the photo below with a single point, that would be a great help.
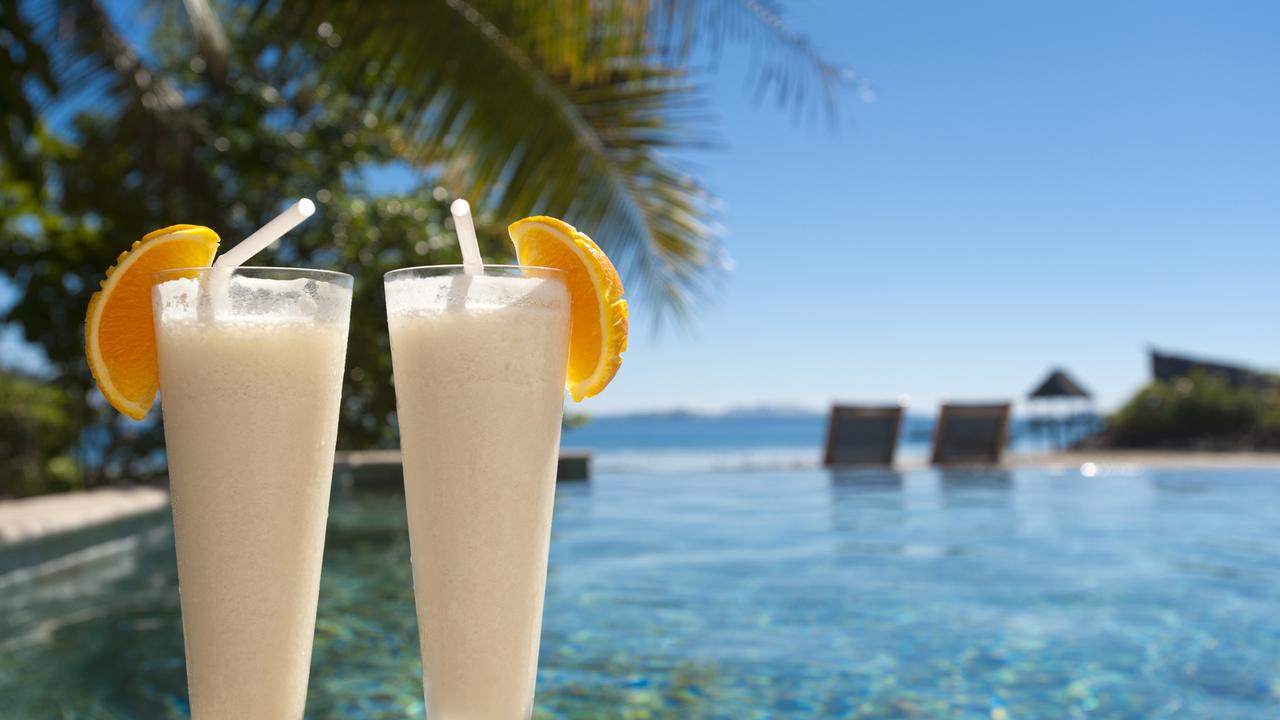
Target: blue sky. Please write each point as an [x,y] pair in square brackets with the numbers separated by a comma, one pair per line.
[1036,184]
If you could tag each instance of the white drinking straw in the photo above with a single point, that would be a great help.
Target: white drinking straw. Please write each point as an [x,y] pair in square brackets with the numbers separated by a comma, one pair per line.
[471,261]
[267,234]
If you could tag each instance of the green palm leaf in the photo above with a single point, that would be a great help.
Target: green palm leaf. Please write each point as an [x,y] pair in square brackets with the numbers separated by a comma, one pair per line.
[460,97]
[569,108]
[572,108]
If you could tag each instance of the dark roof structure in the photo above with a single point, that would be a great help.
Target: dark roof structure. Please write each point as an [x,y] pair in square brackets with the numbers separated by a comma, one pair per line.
[1059,385]
[1175,367]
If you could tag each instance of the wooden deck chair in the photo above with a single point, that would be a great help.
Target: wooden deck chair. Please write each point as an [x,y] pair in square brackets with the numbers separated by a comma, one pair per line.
[862,435]
[970,434]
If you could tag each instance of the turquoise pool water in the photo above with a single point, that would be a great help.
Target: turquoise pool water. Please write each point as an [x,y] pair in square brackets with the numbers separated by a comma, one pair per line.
[1025,594]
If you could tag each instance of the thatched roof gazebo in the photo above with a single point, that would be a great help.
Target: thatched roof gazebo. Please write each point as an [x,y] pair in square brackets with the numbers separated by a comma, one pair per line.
[1059,385]
[1061,409]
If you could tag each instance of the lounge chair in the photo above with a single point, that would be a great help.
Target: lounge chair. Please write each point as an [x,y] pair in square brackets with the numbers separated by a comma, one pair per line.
[970,434]
[862,435]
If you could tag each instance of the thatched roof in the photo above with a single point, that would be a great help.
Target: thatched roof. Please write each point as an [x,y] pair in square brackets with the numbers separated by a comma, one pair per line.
[1059,385]
[1174,367]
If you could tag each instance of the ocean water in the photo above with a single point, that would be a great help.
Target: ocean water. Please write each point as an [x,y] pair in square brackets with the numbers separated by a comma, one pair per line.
[690,443]
[771,593]
[676,443]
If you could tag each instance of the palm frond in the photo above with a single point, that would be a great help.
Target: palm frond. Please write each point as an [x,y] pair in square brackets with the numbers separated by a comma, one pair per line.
[93,61]
[785,65]
[460,96]
[578,37]
[26,74]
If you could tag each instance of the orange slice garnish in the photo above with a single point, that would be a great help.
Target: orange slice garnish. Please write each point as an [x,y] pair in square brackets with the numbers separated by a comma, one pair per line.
[598,312]
[119,337]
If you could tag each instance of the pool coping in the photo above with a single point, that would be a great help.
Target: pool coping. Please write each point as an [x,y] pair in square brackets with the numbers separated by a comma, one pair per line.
[49,533]
[1151,459]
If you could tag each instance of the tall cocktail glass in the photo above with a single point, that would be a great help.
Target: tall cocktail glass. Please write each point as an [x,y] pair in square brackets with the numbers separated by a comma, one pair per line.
[479,365]
[251,365]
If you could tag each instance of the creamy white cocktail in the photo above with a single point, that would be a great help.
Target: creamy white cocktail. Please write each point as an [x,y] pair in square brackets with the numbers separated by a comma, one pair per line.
[251,364]
[479,366]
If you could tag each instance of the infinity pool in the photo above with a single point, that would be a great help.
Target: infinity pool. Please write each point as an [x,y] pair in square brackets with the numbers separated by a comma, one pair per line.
[1006,595]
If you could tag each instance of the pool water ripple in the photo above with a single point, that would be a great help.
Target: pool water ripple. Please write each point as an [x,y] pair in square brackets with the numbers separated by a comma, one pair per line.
[796,594]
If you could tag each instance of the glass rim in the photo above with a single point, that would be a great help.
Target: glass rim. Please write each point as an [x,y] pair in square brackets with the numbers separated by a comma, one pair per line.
[252,270]
[454,269]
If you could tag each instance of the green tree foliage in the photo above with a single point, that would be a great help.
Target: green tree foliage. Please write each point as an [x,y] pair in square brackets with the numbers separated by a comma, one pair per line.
[229,157]
[228,111]
[1199,412]
[39,429]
